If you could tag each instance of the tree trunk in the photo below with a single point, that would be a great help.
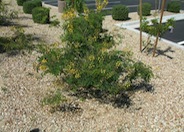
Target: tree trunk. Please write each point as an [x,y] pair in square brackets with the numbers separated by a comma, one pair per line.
[158,34]
[140,15]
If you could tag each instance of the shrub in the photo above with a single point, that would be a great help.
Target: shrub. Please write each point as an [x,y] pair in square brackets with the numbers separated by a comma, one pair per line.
[30,5]
[146,9]
[5,14]
[174,6]
[19,41]
[120,12]
[38,3]
[88,60]
[20,2]
[41,15]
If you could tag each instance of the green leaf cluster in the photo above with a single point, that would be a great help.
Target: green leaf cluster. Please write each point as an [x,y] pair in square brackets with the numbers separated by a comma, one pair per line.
[155,27]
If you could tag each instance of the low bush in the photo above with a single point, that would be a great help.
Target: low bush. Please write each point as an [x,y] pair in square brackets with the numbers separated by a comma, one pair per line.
[174,6]
[41,15]
[120,12]
[38,3]
[146,9]
[20,2]
[30,5]
[6,15]
[19,41]
[88,60]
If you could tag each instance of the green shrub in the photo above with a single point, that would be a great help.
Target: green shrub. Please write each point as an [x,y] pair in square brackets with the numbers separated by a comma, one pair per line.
[38,3]
[54,99]
[6,15]
[88,60]
[20,2]
[19,41]
[174,6]
[41,15]
[120,12]
[146,9]
[30,5]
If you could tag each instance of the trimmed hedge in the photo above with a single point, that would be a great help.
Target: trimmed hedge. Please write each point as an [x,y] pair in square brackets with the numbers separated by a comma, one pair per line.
[120,12]
[30,5]
[38,3]
[146,9]
[174,6]
[21,2]
[41,15]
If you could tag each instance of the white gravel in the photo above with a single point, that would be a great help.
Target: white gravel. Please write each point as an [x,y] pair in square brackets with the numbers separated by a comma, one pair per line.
[22,89]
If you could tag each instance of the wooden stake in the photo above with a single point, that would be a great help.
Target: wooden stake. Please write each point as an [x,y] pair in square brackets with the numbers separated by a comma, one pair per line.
[158,34]
[140,15]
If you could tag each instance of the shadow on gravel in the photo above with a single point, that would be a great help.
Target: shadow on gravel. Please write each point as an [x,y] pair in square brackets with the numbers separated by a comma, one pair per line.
[162,52]
[35,130]
[121,100]
[13,45]
[10,24]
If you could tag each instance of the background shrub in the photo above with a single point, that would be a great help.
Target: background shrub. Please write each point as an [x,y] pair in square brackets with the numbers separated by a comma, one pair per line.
[146,9]
[174,6]
[20,2]
[30,5]
[38,3]
[41,15]
[120,12]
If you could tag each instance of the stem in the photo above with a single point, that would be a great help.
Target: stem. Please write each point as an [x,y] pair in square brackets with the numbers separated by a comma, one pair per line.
[158,34]
[140,15]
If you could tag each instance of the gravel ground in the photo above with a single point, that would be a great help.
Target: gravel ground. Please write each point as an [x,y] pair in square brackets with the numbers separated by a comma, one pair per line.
[22,89]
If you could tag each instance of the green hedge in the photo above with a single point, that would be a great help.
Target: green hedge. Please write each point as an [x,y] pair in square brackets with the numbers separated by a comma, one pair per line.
[146,9]
[20,2]
[41,15]
[120,12]
[174,6]
[30,5]
[38,3]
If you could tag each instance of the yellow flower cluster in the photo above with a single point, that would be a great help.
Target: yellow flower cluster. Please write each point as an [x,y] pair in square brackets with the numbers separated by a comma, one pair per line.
[103,50]
[91,57]
[70,14]
[102,71]
[55,45]
[118,63]
[101,4]
[70,27]
[86,12]
[42,66]
[72,70]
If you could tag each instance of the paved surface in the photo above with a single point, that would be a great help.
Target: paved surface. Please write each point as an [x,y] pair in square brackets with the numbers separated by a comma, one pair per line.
[131,4]
[177,35]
